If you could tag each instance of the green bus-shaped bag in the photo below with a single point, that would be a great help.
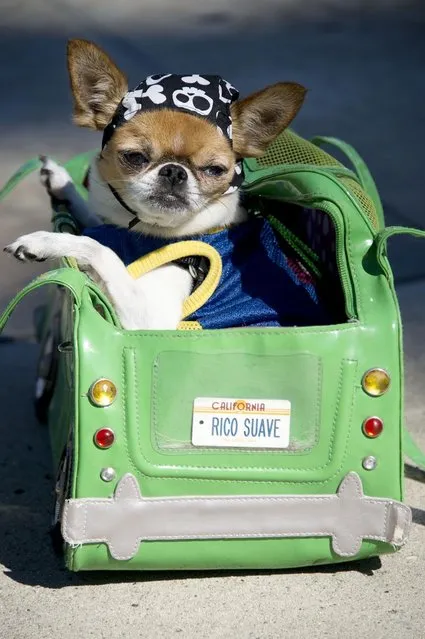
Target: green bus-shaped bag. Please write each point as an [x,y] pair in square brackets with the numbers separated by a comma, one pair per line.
[141,482]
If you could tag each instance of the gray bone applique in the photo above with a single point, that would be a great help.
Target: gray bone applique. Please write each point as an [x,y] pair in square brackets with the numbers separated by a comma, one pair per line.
[127,519]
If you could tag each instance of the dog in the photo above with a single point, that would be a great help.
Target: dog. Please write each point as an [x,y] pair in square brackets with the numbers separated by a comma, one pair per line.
[170,167]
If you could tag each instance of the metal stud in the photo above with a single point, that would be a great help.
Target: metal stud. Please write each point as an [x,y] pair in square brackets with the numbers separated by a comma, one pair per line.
[369,462]
[107,474]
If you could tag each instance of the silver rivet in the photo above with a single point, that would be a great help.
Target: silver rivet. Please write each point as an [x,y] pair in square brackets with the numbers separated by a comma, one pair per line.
[369,463]
[107,474]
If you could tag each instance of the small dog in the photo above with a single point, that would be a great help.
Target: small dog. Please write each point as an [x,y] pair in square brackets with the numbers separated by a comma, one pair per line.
[170,166]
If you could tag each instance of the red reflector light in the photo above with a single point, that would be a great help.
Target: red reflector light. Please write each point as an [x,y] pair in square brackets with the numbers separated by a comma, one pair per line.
[373,426]
[104,438]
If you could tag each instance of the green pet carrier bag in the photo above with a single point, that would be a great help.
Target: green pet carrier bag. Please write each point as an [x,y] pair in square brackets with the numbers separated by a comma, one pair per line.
[245,448]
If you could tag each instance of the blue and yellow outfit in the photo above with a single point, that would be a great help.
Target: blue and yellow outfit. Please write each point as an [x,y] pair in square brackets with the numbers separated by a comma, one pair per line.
[250,281]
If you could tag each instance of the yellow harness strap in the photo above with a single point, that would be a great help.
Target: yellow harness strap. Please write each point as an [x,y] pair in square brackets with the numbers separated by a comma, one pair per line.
[169,253]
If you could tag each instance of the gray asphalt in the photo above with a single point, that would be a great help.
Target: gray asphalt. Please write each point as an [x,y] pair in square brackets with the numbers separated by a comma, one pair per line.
[366,77]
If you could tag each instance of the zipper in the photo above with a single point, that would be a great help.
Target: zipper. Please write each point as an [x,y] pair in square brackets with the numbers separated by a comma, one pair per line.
[340,230]
[347,284]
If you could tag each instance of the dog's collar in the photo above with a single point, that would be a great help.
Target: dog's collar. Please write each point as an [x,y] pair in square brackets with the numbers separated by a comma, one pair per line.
[135,220]
[118,197]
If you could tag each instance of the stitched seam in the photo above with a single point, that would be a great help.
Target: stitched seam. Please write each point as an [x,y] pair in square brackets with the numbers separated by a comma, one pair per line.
[135,401]
[125,399]
[93,501]
[274,333]
[384,529]
[154,402]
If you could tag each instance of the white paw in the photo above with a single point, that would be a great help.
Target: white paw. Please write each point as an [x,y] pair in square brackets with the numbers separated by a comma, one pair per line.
[54,177]
[35,247]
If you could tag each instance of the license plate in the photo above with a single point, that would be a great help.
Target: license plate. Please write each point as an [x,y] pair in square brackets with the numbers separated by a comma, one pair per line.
[241,423]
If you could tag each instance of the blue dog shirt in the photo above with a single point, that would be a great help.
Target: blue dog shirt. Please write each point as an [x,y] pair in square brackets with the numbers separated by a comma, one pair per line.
[258,287]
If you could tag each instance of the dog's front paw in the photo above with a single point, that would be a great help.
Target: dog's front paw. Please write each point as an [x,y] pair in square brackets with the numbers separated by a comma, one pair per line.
[54,177]
[35,247]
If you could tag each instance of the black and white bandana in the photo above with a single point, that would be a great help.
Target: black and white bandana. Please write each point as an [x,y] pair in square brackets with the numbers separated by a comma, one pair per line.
[206,96]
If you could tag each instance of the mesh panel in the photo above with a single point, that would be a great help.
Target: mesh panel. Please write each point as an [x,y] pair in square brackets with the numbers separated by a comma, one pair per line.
[363,199]
[289,148]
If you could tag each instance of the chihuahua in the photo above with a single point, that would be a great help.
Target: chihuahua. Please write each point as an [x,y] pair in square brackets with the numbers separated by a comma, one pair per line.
[170,168]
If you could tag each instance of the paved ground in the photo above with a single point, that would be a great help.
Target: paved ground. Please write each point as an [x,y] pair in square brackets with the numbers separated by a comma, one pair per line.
[366,77]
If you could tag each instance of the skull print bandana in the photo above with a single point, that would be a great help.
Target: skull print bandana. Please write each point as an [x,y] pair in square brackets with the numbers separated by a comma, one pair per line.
[206,96]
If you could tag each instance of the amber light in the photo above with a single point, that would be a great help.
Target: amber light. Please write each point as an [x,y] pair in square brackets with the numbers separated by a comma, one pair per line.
[373,427]
[376,382]
[102,392]
[104,438]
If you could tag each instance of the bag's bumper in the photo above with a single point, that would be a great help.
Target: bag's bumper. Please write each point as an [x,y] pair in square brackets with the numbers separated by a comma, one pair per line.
[128,519]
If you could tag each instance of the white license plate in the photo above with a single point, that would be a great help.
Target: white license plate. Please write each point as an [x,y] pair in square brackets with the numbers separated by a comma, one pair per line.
[241,423]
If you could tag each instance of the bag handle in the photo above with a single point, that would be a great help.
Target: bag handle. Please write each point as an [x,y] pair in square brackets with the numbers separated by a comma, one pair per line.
[411,449]
[72,279]
[19,175]
[360,166]
[381,243]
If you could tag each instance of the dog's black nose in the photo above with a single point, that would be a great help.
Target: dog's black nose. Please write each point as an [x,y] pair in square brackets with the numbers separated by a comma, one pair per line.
[174,173]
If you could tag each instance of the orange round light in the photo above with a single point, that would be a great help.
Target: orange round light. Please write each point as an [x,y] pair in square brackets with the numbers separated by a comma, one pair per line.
[373,427]
[102,392]
[104,438]
[376,382]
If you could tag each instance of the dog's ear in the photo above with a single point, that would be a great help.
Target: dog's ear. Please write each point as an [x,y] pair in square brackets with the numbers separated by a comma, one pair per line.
[96,82]
[259,118]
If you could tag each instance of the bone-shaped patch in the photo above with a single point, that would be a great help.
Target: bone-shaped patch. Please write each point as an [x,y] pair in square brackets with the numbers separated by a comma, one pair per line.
[127,519]
[131,100]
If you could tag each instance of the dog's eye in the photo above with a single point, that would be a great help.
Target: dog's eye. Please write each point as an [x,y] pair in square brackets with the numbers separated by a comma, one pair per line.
[135,159]
[214,171]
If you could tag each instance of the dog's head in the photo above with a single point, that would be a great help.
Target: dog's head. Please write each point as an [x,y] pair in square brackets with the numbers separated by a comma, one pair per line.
[172,146]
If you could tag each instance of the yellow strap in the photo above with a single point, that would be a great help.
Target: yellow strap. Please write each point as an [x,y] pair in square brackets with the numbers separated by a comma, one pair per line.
[189,326]
[171,252]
